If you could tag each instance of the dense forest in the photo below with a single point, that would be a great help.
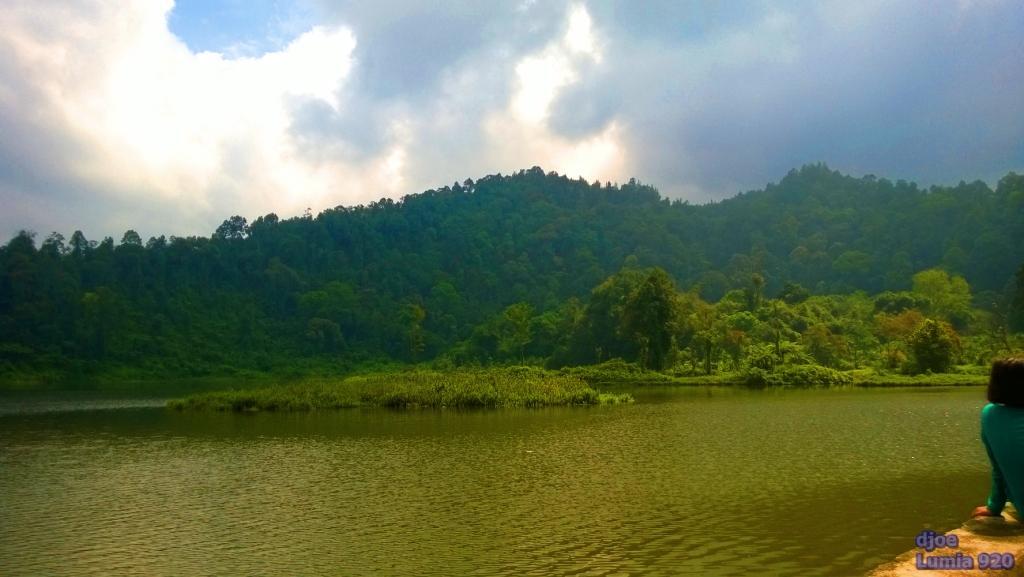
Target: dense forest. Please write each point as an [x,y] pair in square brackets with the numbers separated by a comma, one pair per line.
[821,268]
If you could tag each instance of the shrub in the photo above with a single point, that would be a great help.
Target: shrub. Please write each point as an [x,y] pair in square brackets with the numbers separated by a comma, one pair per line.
[935,346]
[802,376]
[756,378]
[615,371]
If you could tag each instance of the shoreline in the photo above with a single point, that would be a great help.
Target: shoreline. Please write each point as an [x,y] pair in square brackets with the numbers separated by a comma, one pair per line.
[976,538]
[593,375]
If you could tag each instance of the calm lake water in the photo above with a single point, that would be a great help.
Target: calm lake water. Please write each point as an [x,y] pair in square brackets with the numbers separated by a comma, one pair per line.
[684,482]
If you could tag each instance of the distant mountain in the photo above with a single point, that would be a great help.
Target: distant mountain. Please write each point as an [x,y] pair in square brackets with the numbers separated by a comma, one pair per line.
[462,253]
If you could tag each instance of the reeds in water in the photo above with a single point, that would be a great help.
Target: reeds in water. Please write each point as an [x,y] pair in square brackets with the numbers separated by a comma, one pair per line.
[485,388]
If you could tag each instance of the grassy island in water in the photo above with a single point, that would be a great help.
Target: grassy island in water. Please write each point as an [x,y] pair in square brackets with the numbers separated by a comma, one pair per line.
[511,387]
[526,386]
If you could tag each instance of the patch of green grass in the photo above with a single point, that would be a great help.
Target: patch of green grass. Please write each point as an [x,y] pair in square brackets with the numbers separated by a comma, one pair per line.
[614,398]
[726,379]
[509,387]
[870,378]
[618,372]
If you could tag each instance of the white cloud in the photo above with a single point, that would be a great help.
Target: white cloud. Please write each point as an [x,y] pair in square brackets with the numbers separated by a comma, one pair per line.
[579,38]
[110,121]
[206,135]
[155,122]
[521,135]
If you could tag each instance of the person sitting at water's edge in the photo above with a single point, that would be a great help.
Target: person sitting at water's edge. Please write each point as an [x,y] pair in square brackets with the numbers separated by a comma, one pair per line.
[1002,432]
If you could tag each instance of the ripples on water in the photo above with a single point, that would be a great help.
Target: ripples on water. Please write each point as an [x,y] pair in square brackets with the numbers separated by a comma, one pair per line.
[798,483]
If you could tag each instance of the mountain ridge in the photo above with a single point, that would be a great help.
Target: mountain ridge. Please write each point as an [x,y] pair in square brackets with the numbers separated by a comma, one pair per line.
[463,253]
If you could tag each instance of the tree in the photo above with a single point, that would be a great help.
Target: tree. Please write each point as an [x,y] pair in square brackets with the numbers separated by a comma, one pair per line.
[281,280]
[825,346]
[708,332]
[247,296]
[414,315]
[755,291]
[896,302]
[852,265]
[950,296]
[79,244]
[54,245]
[514,331]
[131,238]
[1017,305]
[101,315]
[335,300]
[859,339]
[324,334]
[935,346]
[777,316]
[234,228]
[602,337]
[649,316]
[553,332]
[792,293]
[898,327]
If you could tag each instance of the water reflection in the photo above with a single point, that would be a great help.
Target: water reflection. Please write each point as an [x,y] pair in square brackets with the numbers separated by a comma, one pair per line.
[690,482]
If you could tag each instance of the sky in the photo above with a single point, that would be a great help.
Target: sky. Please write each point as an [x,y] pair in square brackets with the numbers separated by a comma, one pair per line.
[168,117]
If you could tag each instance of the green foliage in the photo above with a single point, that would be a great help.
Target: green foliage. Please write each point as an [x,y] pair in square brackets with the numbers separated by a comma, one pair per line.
[616,371]
[517,387]
[234,228]
[852,265]
[935,346]
[801,376]
[707,332]
[825,346]
[871,378]
[1017,302]
[131,238]
[514,331]
[413,316]
[600,335]
[649,316]
[896,302]
[435,274]
[614,398]
[763,357]
[792,293]
[950,296]
[324,335]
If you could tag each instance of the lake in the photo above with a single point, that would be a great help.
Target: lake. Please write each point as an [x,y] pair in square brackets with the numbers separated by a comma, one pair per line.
[687,481]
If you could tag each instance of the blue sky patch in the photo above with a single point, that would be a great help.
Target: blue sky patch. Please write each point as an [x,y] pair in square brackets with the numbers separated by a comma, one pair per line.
[239,28]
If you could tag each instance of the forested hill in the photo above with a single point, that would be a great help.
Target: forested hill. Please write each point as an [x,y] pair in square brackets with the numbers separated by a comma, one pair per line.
[353,280]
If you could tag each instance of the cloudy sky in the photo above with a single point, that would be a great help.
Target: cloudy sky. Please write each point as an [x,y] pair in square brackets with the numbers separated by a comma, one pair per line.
[167,117]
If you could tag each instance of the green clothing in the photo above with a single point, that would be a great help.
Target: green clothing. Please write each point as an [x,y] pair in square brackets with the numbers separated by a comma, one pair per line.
[1002,432]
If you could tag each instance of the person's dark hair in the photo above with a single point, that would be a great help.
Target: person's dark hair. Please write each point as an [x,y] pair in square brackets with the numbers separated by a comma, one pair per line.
[1006,382]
